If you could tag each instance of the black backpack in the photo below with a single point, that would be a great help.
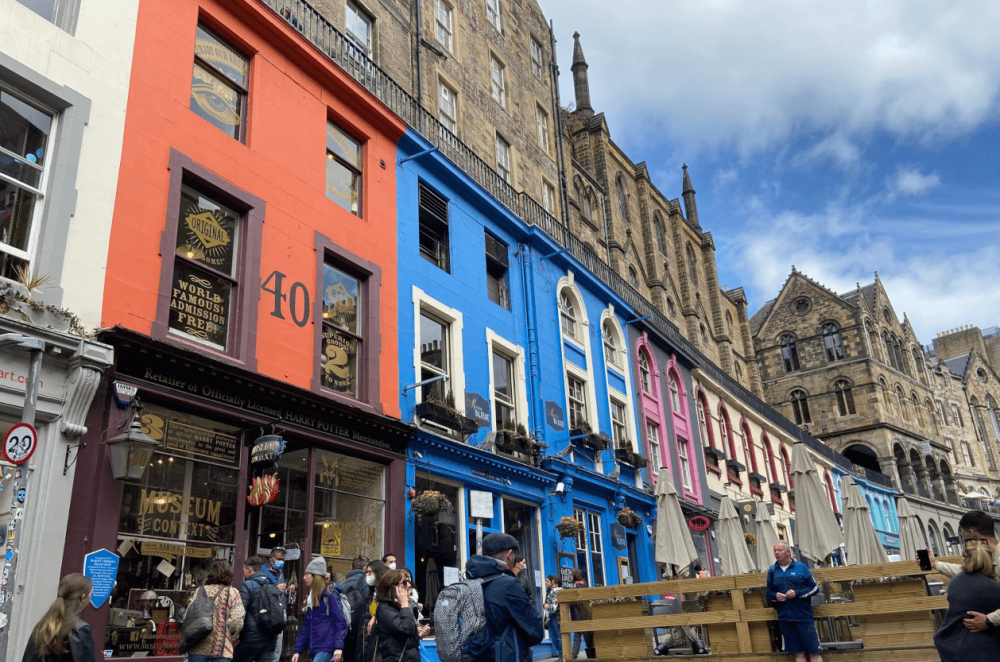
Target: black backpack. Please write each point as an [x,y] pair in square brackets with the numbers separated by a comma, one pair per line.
[355,596]
[269,605]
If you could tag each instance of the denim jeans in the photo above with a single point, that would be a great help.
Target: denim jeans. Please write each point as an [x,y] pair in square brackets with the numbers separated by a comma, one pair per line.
[206,658]
[555,635]
[322,657]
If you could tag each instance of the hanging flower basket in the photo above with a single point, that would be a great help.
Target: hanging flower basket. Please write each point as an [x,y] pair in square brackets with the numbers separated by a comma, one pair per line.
[629,518]
[569,527]
[430,502]
[750,538]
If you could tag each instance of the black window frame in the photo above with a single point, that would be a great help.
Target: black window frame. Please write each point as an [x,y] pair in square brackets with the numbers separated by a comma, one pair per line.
[433,227]
[497,268]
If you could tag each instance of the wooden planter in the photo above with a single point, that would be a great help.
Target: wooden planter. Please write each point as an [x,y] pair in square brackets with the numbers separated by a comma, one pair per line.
[884,630]
[623,644]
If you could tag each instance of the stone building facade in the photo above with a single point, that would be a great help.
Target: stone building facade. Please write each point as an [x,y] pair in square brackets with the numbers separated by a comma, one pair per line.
[850,370]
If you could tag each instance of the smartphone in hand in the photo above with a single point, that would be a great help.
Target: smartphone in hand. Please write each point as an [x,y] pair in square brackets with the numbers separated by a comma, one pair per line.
[923,559]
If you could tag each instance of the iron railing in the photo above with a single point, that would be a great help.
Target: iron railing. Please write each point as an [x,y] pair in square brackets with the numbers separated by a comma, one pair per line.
[353,59]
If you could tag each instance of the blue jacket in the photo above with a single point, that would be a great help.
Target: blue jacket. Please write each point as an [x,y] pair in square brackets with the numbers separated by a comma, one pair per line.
[323,627]
[506,606]
[276,576]
[795,578]
[252,634]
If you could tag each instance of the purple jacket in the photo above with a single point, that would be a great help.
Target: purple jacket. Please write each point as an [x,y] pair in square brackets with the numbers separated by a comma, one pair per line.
[323,627]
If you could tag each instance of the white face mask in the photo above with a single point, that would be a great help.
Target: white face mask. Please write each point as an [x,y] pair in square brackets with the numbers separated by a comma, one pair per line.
[392,566]
[414,596]
[370,580]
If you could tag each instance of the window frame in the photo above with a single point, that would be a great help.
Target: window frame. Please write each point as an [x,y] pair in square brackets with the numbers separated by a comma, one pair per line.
[537,63]
[800,407]
[498,81]
[244,92]
[568,314]
[449,29]
[358,172]
[370,287]
[515,354]
[832,342]
[443,116]
[505,168]
[655,445]
[360,13]
[619,428]
[581,401]
[549,197]
[493,266]
[613,355]
[242,343]
[845,398]
[493,15]
[789,353]
[444,242]
[424,303]
[542,128]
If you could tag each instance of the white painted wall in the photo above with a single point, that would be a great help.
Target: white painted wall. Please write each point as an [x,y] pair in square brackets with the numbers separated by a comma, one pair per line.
[95,62]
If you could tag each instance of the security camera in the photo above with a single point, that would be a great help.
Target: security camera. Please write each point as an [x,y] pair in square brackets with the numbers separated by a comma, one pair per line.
[560,487]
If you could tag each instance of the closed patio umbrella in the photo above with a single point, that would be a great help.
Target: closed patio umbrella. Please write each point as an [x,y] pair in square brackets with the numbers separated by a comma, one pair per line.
[733,552]
[817,532]
[910,538]
[673,542]
[860,540]
[766,537]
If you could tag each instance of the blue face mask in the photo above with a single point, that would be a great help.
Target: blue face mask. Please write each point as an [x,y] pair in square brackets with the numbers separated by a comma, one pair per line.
[278,565]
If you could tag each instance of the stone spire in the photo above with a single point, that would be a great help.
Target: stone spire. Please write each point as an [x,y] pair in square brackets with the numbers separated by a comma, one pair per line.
[580,82]
[690,208]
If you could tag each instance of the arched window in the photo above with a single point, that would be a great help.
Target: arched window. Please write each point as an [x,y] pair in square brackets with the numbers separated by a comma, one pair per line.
[769,467]
[831,338]
[967,455]
[622,202]
[644,378]
[789,354]
[918,365]
[661,233]
[800,407]
[901,400]
[872,337]
[991,410]
[692,264]
[703,427]
[633,276]
[829,490]
[751,457]
[567,314]
[675,400]
[885,396]
[785,464]
[845,399]
[918,414]
[729,323]
[670,306]
[738,371]
[931,412]
[578,192]
[726,431]
[612,351]
[704,336]
[592,212]
[886,351]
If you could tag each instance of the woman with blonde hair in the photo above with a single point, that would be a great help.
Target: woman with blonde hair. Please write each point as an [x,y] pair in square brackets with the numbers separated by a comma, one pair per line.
[323,622]
[61,634]
[974,589]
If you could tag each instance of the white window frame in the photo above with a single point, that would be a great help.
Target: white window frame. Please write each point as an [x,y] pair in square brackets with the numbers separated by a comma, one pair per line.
[684,459]
[450,121]
[612,353]
[442,7]
[568,313]
[653,439]
[619,428]
[422,303]
[498,85]
[608,318]
[572,399]
[360,14]
[515,353]
[582,341]
[503,158]
[38,214]
[537,57]
[598,538]
[549,197]
[493,13]
[542,127]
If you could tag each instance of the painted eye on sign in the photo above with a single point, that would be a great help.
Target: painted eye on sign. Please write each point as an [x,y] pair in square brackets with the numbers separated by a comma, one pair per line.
[19,443]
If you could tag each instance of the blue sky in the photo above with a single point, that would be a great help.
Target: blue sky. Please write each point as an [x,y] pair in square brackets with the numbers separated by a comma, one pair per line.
[843,138]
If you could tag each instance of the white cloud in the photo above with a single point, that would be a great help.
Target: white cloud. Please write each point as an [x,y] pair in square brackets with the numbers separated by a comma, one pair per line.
[752,74]
[910,181]
[837,148]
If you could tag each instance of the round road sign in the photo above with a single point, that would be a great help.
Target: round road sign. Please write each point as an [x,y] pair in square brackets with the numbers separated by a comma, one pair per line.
[19,443]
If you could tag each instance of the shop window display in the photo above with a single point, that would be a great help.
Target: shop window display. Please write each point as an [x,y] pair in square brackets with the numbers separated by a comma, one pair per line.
[436,545]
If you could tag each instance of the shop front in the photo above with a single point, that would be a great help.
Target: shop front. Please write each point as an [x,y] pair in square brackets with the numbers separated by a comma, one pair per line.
[205,494]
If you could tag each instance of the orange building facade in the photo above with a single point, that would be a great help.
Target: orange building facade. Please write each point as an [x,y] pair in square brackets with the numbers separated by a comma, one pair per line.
[250,296]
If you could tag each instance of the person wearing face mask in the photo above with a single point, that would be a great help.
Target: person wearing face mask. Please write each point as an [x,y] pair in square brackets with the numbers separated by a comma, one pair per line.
[390,561]
[273,569]
[356,589]
[364,646]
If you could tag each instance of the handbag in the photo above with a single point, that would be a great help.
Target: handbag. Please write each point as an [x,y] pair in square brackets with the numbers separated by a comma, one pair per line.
[198,622]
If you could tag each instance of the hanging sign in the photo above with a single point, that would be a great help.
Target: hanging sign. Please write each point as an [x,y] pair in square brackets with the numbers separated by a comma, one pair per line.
[554,416]
[699,523]
[19,443]
[618,540]
[101,567]
[265,452]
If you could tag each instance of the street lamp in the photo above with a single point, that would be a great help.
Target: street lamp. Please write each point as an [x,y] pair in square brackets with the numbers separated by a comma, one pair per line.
[131,451]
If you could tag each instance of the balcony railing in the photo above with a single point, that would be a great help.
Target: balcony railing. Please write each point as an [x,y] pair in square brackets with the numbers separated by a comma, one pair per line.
[355,62]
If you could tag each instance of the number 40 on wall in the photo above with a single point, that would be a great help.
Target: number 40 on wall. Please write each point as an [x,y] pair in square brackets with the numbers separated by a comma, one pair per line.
[298,292]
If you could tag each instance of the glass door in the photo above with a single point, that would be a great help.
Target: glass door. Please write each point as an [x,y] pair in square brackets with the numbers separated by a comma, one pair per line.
[519,521]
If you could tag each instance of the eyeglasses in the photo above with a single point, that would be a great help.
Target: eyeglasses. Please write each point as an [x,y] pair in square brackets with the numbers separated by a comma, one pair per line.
[407,582]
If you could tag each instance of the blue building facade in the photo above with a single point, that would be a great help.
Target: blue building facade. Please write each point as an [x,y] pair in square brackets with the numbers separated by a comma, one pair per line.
[514,366]
[881,506]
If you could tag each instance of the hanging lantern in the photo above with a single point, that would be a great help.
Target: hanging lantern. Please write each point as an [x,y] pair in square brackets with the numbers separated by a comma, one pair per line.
[131,452]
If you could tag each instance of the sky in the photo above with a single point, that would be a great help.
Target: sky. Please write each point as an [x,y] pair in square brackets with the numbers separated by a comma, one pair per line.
[843,138]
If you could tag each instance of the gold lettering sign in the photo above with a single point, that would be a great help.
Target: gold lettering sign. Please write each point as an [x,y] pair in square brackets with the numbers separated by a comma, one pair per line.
[170,551]
[199,305]
[208,230]
[161,513]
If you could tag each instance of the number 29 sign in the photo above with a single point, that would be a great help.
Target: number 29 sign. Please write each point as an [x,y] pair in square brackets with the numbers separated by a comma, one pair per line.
[19,443]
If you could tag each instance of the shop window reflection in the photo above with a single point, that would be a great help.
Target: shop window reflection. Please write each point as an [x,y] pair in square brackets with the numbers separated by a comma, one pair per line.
[436,544]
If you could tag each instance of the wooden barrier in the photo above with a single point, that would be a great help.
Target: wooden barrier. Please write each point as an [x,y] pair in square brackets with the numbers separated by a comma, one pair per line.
[893,618]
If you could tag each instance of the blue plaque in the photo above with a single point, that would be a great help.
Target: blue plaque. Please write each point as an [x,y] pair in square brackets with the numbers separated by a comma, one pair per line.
[102,568]
[554,416]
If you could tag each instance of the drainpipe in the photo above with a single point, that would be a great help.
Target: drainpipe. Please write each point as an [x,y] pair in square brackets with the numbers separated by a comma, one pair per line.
[530,322]
[557,113]
[420,36]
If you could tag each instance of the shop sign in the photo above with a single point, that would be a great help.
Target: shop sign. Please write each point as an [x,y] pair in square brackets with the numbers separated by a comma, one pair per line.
[699,523]
[554,416]
[101,567]
[265,452]
[20,443]
[349,539]
[330,540]
[480,504]
[199,304]
[160,515]
[478,409]
[618,540]
[197,441]
[170,551]
[247,397]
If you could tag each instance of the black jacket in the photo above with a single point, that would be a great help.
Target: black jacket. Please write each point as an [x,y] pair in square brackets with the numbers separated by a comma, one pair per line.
[396,630]
[252,635]
[81,647]
[507,606]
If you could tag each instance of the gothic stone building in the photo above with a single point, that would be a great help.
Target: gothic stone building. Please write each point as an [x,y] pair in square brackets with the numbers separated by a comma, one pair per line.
[849,369]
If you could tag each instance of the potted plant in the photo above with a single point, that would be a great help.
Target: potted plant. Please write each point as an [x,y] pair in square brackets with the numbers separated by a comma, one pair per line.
[569,527]
[751,539]
[588,439]
[629,518]
[446,414]
[629,456]
[430,502]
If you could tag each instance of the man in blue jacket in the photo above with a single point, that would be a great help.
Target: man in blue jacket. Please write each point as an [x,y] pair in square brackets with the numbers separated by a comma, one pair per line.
[255,645]
[790,586]
[509,615]
[273,570]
